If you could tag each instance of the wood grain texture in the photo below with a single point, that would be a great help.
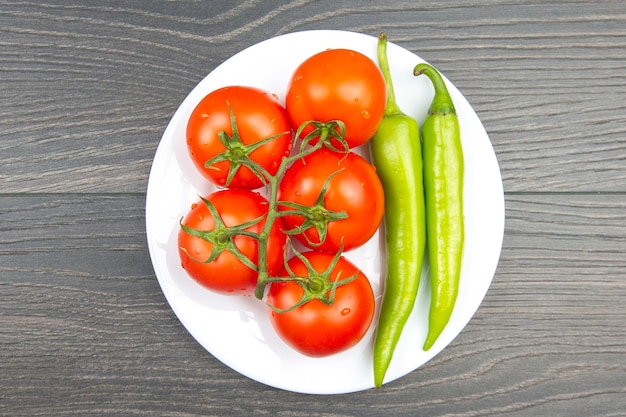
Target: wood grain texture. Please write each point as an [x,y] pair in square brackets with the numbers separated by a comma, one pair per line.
[96,84]
[86,91]
[85,329]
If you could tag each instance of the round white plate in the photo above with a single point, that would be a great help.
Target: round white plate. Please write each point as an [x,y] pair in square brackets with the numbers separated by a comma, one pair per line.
[236,330]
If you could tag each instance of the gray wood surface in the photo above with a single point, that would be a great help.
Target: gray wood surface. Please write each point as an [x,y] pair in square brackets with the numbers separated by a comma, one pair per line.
[86,91]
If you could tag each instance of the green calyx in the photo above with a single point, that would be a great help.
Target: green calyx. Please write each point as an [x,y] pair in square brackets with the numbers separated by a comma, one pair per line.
[222,237]
[316,216]
[315,285]
[238,154]
[324,134]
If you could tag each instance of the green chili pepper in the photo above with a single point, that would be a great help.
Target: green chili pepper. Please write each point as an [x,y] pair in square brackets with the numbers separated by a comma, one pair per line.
[397,155]
[443,187]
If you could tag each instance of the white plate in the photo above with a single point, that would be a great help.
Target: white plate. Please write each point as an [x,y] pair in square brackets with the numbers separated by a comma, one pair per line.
[237,330]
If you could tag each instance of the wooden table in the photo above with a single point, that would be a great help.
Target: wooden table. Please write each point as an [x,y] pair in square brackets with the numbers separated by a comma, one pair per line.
[87,89]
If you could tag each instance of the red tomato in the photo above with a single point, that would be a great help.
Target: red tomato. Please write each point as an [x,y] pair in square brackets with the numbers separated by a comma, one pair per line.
[226,274]
[355,190]
[315,328]
[258,115]
[338,84]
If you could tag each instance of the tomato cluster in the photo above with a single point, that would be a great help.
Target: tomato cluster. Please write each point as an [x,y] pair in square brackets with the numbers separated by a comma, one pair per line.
[319,199]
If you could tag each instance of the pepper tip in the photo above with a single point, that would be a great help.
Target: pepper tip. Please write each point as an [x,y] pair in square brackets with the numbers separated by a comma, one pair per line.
[418,70]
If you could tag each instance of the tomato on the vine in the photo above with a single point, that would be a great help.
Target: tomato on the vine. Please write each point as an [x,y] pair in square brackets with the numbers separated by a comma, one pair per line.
[338,84]
[214,249]
[248,124]
[342,196]
[317,328]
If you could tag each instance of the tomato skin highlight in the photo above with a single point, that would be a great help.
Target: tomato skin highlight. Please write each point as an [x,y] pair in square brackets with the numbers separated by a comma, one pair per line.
[338,84]
[355,190]
[316,329]
[258,114]
[226,274]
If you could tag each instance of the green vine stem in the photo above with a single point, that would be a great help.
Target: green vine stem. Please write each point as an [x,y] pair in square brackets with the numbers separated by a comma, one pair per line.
[325,134]
[325,131]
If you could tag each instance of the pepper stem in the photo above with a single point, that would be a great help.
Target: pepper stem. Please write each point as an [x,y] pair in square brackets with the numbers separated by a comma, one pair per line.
[391,108]
[442,102]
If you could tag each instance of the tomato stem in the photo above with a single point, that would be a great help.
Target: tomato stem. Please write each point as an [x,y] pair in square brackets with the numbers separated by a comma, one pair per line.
[273,213]
[222,237]
[238,154]
[317,215]
[315,285]
[322,134]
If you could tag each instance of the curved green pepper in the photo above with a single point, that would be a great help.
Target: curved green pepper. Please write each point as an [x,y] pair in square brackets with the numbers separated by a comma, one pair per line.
[443,187]
[397,155]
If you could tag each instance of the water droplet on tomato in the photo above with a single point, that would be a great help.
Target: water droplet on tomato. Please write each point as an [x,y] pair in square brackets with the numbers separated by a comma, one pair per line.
[205,115]
[298,77]
[222,181]
[345,311]
[194,205]
[356,99]
[198,251]
[273,121]
[365,114]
